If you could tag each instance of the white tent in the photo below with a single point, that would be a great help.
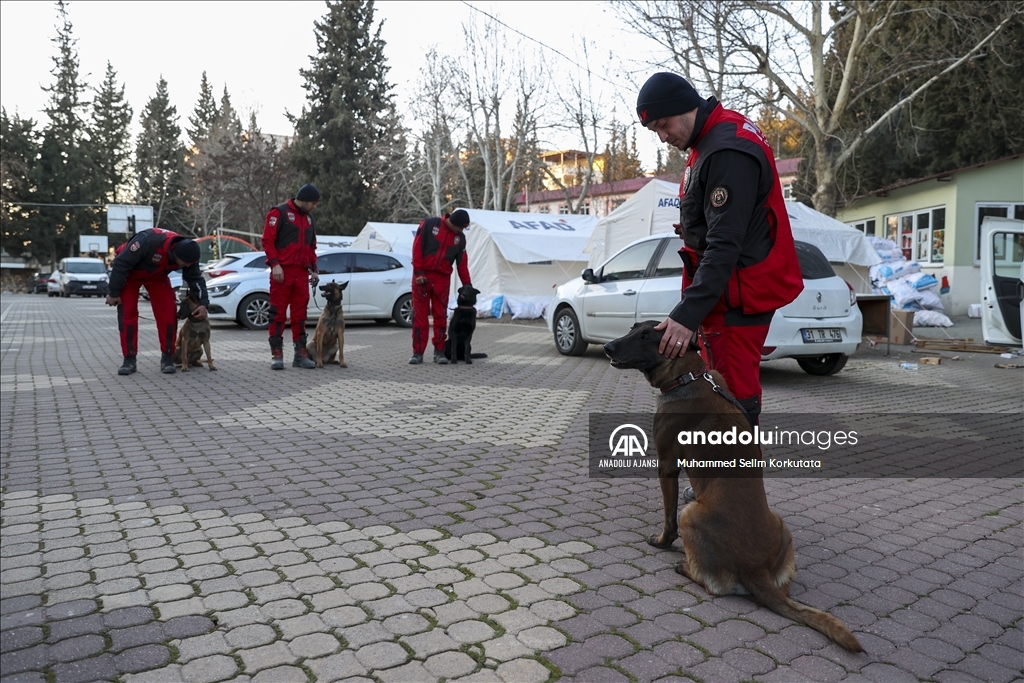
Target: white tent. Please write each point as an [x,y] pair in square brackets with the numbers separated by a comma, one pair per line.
[652,210]
[396,237]
[516,259]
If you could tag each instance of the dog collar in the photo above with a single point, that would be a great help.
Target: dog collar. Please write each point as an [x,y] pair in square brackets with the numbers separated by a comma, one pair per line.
[683,380]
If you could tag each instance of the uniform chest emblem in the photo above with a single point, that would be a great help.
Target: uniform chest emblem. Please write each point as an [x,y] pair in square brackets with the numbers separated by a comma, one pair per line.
[435,230]
[157,258]
[457,240]
[719,196]
[134,247]
[686,180]
[272,221]
[291,217]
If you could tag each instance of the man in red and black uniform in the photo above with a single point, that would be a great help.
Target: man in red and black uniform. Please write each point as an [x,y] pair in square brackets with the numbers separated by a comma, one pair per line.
[439,246]
[146,259]
[739,260]
[289,239]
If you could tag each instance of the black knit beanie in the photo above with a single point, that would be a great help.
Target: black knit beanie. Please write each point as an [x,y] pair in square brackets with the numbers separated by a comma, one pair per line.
[307,193]
[666,94]
[187,251]
[459,218]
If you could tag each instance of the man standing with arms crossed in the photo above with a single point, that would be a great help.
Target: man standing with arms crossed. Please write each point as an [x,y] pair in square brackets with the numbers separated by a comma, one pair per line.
[739,260]
[438,246]
[289,239]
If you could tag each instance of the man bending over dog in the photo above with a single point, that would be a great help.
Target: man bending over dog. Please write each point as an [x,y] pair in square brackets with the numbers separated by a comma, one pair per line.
[438,246]
[739,260]
[289,238]
[146,259]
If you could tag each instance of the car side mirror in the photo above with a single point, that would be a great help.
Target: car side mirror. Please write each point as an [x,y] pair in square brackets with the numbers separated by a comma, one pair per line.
[588,276]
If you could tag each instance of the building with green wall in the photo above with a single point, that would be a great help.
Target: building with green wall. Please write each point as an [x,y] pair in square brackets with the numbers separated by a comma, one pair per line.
[937,220]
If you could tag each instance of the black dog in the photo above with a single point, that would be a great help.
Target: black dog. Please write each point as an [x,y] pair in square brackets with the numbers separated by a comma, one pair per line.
[460,329]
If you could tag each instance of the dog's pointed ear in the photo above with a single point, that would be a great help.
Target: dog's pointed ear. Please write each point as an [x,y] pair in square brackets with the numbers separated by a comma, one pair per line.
[343,285]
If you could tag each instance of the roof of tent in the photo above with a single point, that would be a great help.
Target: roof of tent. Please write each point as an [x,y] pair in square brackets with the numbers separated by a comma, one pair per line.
[396,237]
[533,237]
[655,208]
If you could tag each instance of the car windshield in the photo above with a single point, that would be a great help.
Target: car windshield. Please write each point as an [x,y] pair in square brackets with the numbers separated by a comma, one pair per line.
[89,267]
[813,264]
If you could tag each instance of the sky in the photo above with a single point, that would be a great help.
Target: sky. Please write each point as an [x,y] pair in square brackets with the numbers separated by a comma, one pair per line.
[257,49]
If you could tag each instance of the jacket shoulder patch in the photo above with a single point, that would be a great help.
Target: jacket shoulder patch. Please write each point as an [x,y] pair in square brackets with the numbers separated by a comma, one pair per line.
[134,247]
[272,221]
[719,196]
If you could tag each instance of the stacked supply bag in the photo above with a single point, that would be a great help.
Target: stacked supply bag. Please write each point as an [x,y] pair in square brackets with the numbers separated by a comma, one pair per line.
[908,287]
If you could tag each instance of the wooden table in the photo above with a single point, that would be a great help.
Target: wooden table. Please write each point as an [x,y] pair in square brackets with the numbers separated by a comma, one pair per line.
[877,319]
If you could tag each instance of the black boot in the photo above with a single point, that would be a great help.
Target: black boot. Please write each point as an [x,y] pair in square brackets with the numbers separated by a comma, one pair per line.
[128,367]
[276,359]
[167,364]
[302,359]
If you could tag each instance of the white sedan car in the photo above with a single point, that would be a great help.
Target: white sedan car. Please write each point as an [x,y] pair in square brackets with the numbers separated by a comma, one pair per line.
[379,288]
[643,282]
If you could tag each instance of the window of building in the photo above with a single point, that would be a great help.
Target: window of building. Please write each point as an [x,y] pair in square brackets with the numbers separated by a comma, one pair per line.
[787,191]
[921,234]
[585,210]
[615,203]
[544,209]
[998,209]
[866,226]
[563,209]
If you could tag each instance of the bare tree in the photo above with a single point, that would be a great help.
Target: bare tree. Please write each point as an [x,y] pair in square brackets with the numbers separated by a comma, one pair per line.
[736,47]
[488,76]
[434,111]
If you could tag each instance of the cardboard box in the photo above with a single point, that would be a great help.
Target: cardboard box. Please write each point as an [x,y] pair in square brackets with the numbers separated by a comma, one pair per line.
[902,327]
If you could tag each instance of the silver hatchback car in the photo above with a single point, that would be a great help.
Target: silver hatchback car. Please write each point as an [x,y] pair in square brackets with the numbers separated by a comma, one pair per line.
[644,281]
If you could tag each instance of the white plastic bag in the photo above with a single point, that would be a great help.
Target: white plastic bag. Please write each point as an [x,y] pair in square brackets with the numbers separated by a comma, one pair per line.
[931,319]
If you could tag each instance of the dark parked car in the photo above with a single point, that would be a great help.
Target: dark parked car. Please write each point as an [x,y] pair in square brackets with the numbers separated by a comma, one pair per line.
[37,283]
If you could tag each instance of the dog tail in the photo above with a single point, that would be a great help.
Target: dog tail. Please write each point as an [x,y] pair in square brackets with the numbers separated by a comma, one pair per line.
[768,594]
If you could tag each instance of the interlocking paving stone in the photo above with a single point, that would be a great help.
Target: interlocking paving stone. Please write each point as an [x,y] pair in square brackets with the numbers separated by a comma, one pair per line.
[924,571]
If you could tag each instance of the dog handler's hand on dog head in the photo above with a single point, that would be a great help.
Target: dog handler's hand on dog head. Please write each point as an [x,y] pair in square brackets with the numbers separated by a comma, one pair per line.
[113,300]
[277,273]
[675,340]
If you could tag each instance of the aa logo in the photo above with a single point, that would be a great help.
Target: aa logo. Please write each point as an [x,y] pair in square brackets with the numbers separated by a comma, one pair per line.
[625,442]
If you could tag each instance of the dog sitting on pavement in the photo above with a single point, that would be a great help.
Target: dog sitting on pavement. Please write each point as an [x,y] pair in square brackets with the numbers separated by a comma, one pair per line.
[329,338]
[193,337]
[457,346]
[729,534]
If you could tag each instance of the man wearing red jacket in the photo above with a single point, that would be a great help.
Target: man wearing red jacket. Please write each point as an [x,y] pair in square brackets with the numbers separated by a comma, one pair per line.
[739,259]
[289,239]
[145,260]
[439,246]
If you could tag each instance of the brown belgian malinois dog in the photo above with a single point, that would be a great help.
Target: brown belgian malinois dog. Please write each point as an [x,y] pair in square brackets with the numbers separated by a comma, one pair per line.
[193,337]
[729,534]
[329,338]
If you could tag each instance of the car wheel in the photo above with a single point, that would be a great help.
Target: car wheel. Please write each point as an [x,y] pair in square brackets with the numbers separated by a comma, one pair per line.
[567,334]
[254,311]
[829,364]
[402,311]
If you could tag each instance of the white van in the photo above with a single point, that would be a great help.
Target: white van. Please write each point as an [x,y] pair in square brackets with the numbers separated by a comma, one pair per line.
[83,277]
[1002,280]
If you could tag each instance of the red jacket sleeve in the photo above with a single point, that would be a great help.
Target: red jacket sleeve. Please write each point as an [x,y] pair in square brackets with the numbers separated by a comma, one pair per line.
[417,251]
[270,236]
[463,266]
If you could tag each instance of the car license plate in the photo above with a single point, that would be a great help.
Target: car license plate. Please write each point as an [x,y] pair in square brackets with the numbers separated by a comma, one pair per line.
[88,286]
[815,335]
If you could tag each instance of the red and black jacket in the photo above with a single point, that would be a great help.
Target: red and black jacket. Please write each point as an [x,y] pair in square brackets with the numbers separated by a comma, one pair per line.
[289,237]
[148,255]
[437,249]
[738,253]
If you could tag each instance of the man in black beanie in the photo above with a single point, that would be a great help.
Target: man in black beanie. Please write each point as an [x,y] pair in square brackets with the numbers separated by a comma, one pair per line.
[146,260]
[739,259]
[289,239]
[438,246]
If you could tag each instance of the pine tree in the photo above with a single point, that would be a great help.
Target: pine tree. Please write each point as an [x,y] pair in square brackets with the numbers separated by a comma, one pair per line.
[160,161]
[111,116]
[203,115]
[19,152]
[622,161]
[344,120]
[66,176]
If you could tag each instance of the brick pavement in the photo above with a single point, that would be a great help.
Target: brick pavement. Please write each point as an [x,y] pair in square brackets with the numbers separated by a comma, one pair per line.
[399,523]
